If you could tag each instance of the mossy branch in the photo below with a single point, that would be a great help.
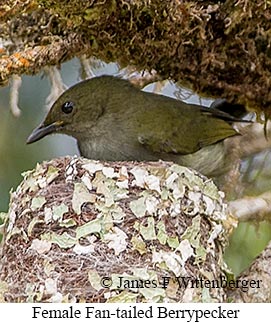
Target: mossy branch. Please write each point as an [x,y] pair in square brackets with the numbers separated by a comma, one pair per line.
[217,49]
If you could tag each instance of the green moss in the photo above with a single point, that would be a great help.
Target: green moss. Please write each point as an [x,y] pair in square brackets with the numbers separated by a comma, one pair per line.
[213,48]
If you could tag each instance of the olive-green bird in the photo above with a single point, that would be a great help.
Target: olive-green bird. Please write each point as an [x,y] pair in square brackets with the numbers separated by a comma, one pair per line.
[113,120]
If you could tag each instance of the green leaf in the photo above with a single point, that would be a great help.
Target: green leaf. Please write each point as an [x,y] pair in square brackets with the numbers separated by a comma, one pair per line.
[192,234]
[153,295]
[191,179]
[95,279]
[80,196]
[162,234]
[51,174]
[64,240]
[148,232]
[173,242]
[123,297]
[37,202]
[58,211]
[67,223]
[138,207]
[93,226]
[139,245]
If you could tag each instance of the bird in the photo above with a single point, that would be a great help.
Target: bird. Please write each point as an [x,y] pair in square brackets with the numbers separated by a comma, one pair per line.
[113,120]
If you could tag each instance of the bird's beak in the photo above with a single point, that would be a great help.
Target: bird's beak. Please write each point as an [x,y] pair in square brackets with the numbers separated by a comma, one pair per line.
[43,130]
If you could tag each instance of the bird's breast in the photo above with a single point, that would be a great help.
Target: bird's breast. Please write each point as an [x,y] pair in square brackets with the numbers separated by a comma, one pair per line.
[114,148]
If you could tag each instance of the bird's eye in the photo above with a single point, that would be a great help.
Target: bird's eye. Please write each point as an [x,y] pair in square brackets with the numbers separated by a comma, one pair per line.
[67,107]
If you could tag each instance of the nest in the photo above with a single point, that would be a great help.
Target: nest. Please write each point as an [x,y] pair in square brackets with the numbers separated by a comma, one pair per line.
[86,231]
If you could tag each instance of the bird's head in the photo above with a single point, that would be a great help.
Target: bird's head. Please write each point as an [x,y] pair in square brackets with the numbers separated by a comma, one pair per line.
[77,109]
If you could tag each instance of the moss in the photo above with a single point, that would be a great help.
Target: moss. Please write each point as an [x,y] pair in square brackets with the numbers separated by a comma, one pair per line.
[216,49]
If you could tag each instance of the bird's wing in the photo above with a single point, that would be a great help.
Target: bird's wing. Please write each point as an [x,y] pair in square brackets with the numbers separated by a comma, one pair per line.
[179,133]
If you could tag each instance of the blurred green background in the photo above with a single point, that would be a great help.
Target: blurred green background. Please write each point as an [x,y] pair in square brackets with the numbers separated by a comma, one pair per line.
[17,157]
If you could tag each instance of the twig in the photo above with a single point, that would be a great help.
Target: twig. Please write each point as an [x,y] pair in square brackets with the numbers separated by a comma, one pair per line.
[14,95]
[252,208]
[258,276]
[30,61]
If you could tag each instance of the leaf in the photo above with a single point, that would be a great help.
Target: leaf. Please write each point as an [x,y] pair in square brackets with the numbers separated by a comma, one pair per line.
[37,202]
[141,273]
[58,211]
[123,297]
[117,240]
[139,245]
[192,234]
[210,205]
[50,286]
[41,246]
[138,207]
[151,203]
[51,174]
[123,184]
[109,172]
[174,183]
[186,250]
[48,214]
[117,213]
[191,179]
[87,181]
[93,166]
[148,232]
[80,196]
[153,295]
[139,174]
[30,183]
[162,234]
[205,296]
[30,292]
[217,229]
[3,216]
[67,223]
[172,261]
[95,279]
[153,183]
[62,240]
[93,226]
[3,219]
[48,266]
[173,242]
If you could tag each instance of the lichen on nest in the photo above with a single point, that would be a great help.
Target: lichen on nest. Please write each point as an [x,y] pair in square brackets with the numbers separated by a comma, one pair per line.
[73,221]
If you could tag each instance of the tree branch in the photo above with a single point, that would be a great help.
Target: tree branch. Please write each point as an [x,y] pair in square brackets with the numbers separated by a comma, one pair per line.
[214,48]
[259,271]
[252,208]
